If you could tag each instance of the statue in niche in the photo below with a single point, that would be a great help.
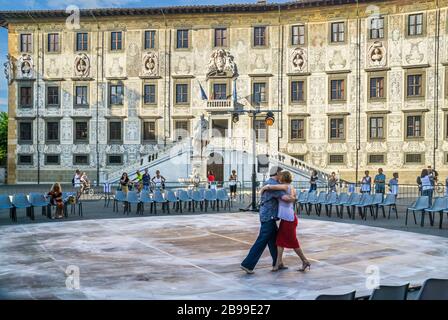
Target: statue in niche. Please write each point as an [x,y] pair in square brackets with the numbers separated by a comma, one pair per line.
[200,136]
[82,65]
[377,54]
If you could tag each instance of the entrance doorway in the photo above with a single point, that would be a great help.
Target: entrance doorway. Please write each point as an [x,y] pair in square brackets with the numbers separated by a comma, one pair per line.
[215,163]
[220,128]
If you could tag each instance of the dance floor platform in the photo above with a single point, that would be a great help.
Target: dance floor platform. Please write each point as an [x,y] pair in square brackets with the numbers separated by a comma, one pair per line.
[198,257]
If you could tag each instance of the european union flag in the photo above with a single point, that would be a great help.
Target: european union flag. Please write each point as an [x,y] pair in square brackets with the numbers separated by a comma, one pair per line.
[203,94]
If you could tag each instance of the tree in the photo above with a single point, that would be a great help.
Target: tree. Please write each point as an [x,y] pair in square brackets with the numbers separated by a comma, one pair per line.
[3,137]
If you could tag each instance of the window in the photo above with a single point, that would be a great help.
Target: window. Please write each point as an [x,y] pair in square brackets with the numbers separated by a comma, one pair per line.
[415,24]
[415,85]
[414,127]
[297,91]
[221,37]
[297,129]
[337,129]
[260,36]
[115,132]
[414,158]
[26,96]
[336,159]
[446,126]
[261,131]
[338,32]
[182,39]
[25,159]
[149,94]
[259,92]
[81,131]
[52,159]
[298,35]
[116,41]
[181,130]
[116,95]
[377,88]
[53,132]
[149,131]
[25,132]
[182,93]
[26,43]
[53,96]
[114,160]
[81,159]
[377,28]
[337,89]
[53,42]
[82,41]
[150,39]
[376,159]
[300,157]
[376,125]
[219,91]
[81,96]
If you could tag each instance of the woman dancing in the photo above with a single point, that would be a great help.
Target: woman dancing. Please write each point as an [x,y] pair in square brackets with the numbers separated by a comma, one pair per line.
[287,236]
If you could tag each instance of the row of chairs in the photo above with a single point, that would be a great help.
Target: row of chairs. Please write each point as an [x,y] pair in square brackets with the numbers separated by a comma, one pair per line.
[423,205]
[361,202]
[32,201]
[432,289]
[180,200]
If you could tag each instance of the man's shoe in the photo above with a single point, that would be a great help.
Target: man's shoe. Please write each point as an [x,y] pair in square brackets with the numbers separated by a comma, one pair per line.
[248,271]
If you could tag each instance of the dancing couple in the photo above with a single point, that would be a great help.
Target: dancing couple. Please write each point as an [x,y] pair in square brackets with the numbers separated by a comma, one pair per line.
[277,203]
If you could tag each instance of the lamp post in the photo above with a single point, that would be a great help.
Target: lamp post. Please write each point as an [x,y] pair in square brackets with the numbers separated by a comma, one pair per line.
[270,120]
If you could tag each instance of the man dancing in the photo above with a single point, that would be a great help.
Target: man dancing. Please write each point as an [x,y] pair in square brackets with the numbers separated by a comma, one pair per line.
[268,229]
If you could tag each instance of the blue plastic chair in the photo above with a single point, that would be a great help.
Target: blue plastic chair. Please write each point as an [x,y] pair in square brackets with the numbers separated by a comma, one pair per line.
[332,199]
[172,198]
[224,198]
[391,202]
[311,199]
[184,199]
[210,199]
[158,198]
[120,196]
[378,199]
[145,198]
[348,296]
[38,200]
[342,198]
[133,198]
[434,289]
[301,201]
[198,199]
[319,202]
[440,205]
[398,293]
[366,203]
[20,201]
[5,203]
[421,204]
[354,199]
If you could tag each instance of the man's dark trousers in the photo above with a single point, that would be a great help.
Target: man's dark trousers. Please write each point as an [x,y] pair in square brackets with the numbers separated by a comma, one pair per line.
[267,237]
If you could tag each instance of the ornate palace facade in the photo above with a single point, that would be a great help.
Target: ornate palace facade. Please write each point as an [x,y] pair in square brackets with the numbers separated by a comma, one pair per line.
[358,85]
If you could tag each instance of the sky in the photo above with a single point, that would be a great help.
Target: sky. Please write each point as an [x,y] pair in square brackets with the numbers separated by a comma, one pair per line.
[62,4]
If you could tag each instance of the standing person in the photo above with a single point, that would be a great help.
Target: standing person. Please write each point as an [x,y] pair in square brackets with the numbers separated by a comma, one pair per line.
[124,183]
[139,181]
[393,184]
[313,181]
[77,183]
[159,180]
[332,182]
[366,183]
[233,180]
[446,187]
[55,195]
[211,179]
[287,235]
[427,187]
[268,229]
[85,182]
[380,182]
[146,180]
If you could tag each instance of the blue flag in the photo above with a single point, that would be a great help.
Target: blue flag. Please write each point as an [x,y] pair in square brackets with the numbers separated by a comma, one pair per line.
[203,94]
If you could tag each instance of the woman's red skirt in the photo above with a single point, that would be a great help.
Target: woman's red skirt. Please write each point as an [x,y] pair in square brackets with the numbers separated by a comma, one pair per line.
[287,236]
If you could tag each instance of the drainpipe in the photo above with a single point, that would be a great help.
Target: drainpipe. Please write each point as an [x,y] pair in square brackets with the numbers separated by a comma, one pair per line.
[436,84]
[358,90]
[167,86]
[97,99]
